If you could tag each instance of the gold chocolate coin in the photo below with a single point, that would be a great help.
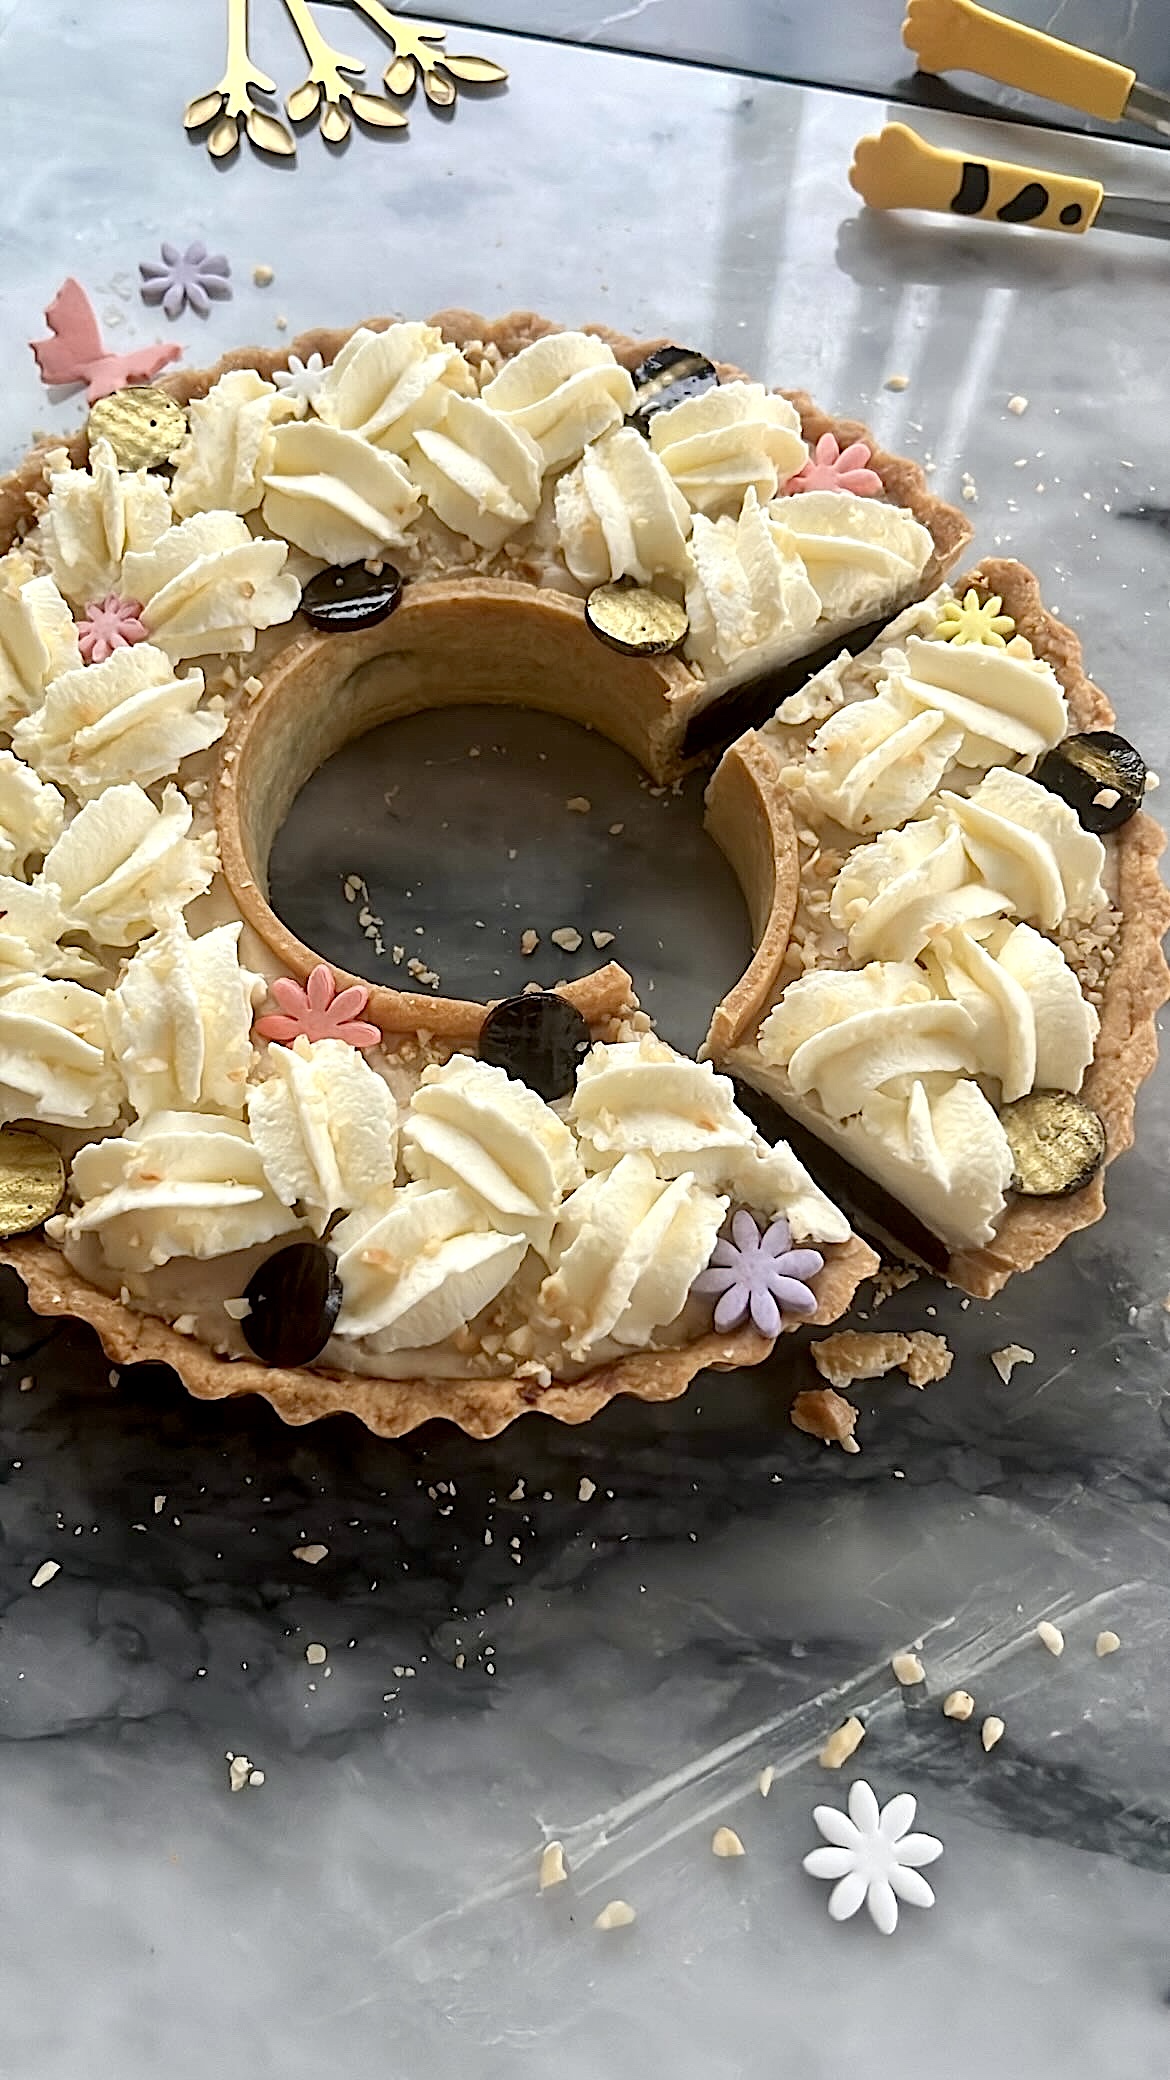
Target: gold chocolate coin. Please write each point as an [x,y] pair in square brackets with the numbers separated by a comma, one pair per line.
[143,426]
[32,1179]
[1057,1143]
[635,620]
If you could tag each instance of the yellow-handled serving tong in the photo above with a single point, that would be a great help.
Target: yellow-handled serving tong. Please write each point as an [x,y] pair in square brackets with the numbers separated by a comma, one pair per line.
[897,169]
[959,36]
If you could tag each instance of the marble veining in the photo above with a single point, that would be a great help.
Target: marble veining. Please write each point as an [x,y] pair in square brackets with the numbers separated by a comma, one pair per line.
[602,1636]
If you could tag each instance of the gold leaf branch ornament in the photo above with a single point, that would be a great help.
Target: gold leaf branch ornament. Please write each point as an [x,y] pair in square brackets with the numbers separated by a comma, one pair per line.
[229,105]
[327,88]
[333,89]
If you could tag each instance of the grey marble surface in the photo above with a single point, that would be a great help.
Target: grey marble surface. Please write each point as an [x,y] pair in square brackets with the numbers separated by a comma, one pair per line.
[504,1662]
[843,43]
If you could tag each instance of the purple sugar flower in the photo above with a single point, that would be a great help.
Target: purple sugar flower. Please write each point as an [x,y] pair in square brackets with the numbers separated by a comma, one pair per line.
[192,277]
[759,1275]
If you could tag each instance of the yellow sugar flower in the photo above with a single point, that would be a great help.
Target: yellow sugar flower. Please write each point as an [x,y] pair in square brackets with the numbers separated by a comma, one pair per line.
[973,620]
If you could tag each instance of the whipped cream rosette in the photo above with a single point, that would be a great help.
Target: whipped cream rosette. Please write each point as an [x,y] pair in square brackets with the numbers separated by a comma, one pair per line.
[959,942]
[230,1110]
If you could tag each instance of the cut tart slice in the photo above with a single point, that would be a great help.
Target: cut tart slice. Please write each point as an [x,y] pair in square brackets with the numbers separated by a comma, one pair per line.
[958,915]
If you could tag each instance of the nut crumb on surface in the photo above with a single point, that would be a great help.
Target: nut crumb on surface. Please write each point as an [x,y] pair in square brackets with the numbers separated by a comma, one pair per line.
[567,937]
[908,1669]
[1011,1355]
[1018,405]
[45,1573]
[959,1705]
[819,1412]
[842,1744]
[529,941]
[618,1914]
[725,1842]
[315,1654]
[586,1489]
[892,1278]
[601,939]
[579,804]
[616,829]
[262,274]
[765,1780]
[311,1555]
[897,382]
[991,1732]
[553,1870]
[1050,1636]
[1106,1643]
[869,1354]
[241,1772]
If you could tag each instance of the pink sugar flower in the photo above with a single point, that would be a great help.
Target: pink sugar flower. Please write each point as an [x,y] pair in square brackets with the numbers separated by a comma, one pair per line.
[320,1011]
[833,468]
[110,624]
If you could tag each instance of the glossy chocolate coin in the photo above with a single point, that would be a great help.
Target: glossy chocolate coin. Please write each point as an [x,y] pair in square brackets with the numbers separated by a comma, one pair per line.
[667,377]
[340,601]
[541,1039]
[294,1300]
[1099,774]
[1057,1143]
[32,1179]
[636,621]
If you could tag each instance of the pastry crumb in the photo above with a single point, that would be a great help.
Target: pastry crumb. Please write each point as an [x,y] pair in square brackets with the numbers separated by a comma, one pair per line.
[567,937]
[553,1870]
[908,1669]
[819,1412]
[842,1744]
[529,941]
[765,1780]
[1012,1354]
[242,1772]
[968,489]
[311,1555]
[616,829]
[263,274]
[618,1914]
[45,1573]
[892,1278]
[959,1705]
[863,1354]
[1018,405]
[601,939]
[160,1503]
[991,1733]
[586,1489]
[725,1842]
[579,804]
[897,382]
[1106,1643]
[1051,1637]
[315,1654]
[282,323]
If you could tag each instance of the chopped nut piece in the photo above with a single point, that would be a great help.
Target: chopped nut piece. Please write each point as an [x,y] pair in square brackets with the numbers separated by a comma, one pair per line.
[1106,798]
[237,1310]
[821,1413]
[991,1731]
[241,1772]
[601,939]
[315,1654]
[1018,405]
[765,1780]
[1012,1354]
[567,937]
[1107,1643]
[616,829]
[617,1915]
[861,1354]
[1050,1636]
[311,1555]
[908,1669]
[529,941]
[45,1573]
[552,1866]
[262,274]
[586,1489]
[579,804]
[725,1842]
[842,1744]
[897,382]
[959,1705]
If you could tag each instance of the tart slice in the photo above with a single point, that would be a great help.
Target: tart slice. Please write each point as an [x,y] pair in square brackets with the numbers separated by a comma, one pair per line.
[958,918]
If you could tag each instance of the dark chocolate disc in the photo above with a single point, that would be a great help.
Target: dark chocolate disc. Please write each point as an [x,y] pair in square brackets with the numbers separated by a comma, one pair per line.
[340,601]
[294,1300]
[1057,1143]
[665,378]
[1098,774]
[540,1038]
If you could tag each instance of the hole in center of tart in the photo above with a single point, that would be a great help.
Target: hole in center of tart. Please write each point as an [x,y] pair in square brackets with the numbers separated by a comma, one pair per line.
[458,844]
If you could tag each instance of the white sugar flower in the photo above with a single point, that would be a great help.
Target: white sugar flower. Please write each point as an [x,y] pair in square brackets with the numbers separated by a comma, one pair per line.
[873,1858]
[302,379]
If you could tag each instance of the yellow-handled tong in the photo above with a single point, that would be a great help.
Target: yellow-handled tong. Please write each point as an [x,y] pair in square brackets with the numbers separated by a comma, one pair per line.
[897,169]
[959,36]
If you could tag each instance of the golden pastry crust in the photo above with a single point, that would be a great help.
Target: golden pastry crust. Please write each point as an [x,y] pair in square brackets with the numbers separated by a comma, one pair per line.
[1138,981]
